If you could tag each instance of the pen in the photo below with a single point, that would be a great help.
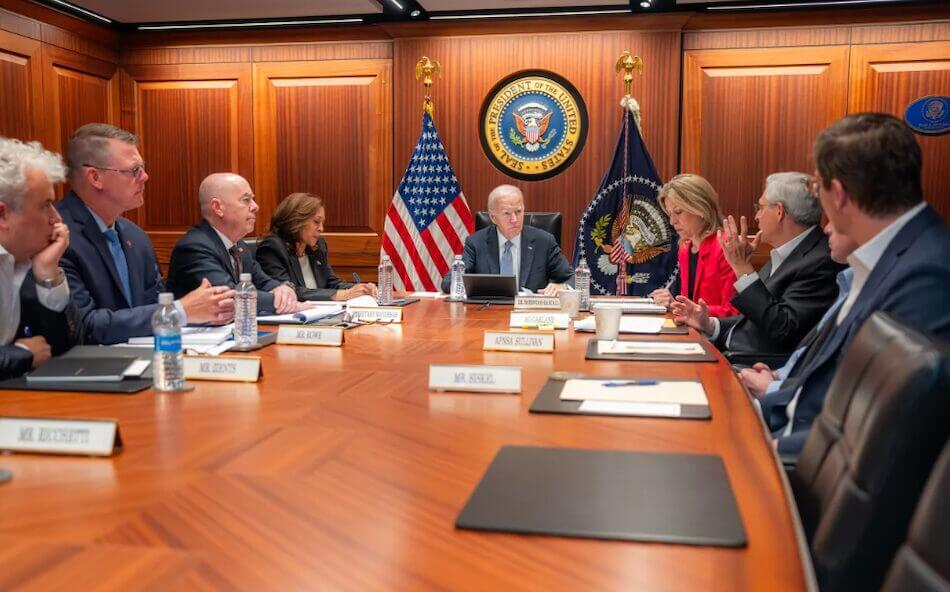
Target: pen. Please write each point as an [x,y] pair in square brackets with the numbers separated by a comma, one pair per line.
[632,383]
[356,278]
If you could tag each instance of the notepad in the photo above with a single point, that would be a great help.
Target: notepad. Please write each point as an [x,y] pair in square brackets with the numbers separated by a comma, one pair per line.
[680,392]
[191,336]
[677,348]
[629,324]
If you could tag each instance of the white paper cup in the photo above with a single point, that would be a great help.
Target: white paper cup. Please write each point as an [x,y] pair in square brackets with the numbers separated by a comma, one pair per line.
[570,302]
[607,321]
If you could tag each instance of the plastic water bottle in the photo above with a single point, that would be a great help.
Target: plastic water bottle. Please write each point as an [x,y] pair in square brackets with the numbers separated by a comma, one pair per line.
[168,365]
[385,285]
[458,286]
[245,314]
[582,284]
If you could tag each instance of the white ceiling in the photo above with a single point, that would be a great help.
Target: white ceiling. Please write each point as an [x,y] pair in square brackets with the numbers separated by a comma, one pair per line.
[152,11]
[447,5]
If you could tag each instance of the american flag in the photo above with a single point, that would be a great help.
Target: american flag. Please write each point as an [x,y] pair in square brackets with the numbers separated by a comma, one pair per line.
[429,219]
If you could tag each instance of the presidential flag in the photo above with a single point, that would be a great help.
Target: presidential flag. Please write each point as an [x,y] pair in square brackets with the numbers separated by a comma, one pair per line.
[429,219]
[624,235]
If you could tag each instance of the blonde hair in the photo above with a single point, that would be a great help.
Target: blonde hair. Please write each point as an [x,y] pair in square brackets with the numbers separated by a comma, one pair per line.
[696,196]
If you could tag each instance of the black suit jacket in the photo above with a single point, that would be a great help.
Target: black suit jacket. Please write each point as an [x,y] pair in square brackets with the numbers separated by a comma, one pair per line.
[61,330]
[541,259]
[280,264]
[777,312]
[201,254]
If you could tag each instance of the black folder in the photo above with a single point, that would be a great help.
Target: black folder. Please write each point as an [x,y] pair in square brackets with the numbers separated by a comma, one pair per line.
[549,401]
[607,494]
[125,387]
[81,370]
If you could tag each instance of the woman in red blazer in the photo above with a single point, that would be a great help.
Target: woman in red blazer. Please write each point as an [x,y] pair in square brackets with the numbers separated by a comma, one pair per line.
[693,207]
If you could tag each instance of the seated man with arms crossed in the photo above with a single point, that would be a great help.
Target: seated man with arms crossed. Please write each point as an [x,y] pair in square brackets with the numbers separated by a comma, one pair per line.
[36,319]
[214,250]
[508,247]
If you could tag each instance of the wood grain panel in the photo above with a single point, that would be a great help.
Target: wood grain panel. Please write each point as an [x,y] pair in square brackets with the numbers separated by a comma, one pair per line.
[934,31]
[325,127]
[472,65]
[888,78]
[258,53]
[749,113]
[783,37]
[21,88]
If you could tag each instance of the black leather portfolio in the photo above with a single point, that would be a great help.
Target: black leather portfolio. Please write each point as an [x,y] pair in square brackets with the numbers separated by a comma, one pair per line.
[607,494]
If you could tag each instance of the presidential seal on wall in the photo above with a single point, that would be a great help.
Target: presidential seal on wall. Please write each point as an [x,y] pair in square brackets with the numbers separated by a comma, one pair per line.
[533,125]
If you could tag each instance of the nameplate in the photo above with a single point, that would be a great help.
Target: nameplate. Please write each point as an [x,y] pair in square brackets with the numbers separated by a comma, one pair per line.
[53,435]
[519,341]
[306,335]
[379,314]
[552,302]
[476,379]
[541,320]
[229,369]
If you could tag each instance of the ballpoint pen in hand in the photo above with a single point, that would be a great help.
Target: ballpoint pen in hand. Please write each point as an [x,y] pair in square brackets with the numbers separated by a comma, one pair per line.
[356,278]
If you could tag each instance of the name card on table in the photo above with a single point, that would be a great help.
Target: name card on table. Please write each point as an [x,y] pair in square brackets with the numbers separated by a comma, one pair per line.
[229,369]
[307,335]
[476,379]
[541,320]
[379,314]
[519,341]
[83,437]
[552,302]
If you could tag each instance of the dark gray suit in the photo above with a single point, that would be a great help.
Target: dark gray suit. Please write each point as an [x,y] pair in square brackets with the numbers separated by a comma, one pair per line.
[277,262]
[541,259]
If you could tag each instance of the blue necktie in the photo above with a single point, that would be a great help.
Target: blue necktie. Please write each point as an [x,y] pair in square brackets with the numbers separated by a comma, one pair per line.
[507,265]
[121,264]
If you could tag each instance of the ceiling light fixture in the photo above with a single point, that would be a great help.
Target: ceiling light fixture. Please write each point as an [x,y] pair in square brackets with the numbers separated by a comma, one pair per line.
[397,4]
[645,4]
[81,10]
[246,25]
[446,17]
[799,5]
[415,13]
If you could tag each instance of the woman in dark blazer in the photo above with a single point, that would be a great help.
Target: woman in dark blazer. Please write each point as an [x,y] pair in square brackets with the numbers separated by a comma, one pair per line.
[693,207]
[295,252]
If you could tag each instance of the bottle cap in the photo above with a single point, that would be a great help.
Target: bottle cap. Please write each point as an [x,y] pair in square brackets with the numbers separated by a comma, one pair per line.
[166,298]
[245,277]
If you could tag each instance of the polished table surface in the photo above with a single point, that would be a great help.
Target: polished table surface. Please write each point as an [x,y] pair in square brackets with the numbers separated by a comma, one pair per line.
[341,470]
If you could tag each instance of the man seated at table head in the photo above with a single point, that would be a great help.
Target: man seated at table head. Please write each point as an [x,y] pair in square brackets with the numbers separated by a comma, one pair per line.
[35,319]
[214,250]
[508,247]
[113,274]
[868,179]
[779,304]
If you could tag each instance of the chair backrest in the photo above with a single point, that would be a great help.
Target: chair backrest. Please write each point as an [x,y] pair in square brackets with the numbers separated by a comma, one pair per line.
[547,221]
[923,562]
[251,242]
[885,419]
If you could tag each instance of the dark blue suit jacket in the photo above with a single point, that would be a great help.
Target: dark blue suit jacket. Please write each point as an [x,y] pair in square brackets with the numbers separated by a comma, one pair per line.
[541,259]
[105,314]
[911,281]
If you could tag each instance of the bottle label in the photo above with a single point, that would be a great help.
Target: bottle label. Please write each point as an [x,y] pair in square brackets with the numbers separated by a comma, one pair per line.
[168,343]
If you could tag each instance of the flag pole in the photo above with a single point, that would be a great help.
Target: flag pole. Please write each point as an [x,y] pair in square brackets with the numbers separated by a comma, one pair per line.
[425,68]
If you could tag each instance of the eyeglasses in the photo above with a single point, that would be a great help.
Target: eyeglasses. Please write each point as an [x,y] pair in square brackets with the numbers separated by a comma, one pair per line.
[814,185]
[135,172]
[757,206]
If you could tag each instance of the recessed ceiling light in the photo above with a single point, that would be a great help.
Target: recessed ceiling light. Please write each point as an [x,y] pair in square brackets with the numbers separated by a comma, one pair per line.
[415,13]
[645,4]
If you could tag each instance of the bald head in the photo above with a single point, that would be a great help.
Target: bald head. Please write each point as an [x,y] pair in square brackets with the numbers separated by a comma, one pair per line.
[227,203]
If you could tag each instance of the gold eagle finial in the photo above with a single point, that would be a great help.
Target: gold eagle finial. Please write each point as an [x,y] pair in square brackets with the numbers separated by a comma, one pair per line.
[425,68]
[627,64]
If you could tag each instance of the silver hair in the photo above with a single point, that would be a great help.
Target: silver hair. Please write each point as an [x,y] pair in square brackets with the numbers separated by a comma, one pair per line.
[16,158]
[792,191]
[90,145]
[503,191]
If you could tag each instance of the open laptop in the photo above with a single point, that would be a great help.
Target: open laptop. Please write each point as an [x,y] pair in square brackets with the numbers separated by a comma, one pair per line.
[483,288]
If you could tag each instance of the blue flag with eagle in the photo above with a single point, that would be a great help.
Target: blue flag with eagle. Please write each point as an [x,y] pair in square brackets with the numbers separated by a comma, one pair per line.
[624,235]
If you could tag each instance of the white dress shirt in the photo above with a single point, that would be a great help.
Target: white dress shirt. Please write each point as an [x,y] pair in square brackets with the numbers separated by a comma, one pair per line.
[12,276]
[515,255]
[308,278]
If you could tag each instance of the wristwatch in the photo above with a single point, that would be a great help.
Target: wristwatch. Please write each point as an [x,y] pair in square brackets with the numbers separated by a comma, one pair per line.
[55,281]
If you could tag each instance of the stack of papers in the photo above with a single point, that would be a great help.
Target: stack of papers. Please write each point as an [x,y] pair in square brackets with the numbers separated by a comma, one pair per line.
[193,336]
[646,325]
[319,311]
[678,348]
[635,391]
[621,300]
[632,307]
[364,301]
[436,295]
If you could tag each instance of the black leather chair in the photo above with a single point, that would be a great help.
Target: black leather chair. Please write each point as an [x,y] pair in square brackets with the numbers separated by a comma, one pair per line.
[860,474]
[923,562]
[548,221]
[251,242]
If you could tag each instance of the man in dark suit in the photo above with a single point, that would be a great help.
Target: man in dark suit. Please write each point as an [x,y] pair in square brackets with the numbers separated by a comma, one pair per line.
[111,266]
[508,247]
[214,250]
[35,312]
[869,184]
[780,303]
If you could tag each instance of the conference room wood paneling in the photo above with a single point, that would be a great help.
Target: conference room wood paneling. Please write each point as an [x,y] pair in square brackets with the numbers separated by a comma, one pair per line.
[193,121]
[326,127]
[21,87]
[889,77]
[751,112]
[471,66]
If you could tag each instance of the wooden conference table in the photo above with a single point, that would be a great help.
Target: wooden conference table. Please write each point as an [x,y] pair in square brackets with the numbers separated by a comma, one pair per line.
[340,470]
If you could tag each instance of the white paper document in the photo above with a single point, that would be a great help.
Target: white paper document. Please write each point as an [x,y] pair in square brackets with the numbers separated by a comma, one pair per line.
[192,336]
[364,301]
[631,324]
[436,295]
[679,392]
[634,307]
[625,408]
[622,300]
[319,311]
[671,348]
